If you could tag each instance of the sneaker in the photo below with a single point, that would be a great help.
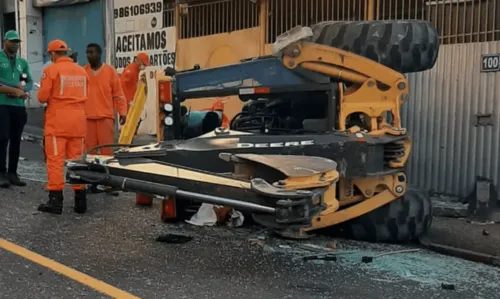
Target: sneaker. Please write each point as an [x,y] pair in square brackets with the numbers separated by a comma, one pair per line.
[15,180]
[4,181]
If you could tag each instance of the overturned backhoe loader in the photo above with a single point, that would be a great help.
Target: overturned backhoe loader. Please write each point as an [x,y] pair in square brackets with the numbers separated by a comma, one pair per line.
[318,143]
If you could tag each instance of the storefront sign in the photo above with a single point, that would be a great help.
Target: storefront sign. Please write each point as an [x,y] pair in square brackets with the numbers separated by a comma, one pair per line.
[140,27]
[490,63]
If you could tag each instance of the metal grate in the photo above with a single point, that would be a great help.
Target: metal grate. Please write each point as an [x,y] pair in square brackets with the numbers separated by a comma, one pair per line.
[283,15]
[215,17]
[457,21]
[168,13]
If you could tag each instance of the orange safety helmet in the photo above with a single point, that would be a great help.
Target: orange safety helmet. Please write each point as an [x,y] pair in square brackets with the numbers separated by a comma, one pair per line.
[219,106]
[144,58]
[57,46]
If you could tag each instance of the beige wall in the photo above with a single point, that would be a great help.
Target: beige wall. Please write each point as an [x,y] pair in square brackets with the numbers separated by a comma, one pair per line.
[217,50]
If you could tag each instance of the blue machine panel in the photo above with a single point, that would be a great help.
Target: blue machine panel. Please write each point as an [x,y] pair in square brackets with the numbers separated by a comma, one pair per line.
[259,72]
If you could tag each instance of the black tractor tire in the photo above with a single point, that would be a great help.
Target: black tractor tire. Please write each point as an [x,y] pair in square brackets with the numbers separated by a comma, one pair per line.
[401,221]
[406,46]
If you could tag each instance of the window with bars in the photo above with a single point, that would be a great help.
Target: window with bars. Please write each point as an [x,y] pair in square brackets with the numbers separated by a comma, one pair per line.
[465,21]
[202,18]
[283,15]
[457,21]
[168,13]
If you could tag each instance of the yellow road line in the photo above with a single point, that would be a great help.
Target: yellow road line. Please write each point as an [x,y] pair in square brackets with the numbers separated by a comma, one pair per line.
[80,277]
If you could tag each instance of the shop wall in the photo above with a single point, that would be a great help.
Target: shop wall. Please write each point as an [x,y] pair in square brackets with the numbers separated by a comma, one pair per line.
[453,116]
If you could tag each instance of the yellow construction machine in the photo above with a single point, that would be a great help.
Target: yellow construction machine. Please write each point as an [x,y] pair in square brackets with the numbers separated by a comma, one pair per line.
[319,142]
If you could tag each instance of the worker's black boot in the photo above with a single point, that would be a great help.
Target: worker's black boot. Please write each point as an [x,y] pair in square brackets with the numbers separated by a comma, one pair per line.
[54,205]
[4,181]
[15,180]
[80,201]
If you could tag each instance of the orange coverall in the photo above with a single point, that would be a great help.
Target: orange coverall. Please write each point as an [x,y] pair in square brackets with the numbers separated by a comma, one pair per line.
[130,76]
[64,87]
[105,94]
[128,80]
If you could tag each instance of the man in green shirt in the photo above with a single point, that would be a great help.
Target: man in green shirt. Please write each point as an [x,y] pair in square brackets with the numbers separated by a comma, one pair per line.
[14,71]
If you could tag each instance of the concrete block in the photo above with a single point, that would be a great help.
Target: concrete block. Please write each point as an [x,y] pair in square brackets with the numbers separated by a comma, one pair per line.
[449,209]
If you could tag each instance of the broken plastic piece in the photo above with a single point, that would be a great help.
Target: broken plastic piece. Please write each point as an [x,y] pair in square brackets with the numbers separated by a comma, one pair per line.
[289,37]
[326,257]
[369,259]
[168,209]
[447,286]
[205,216]
[173,238]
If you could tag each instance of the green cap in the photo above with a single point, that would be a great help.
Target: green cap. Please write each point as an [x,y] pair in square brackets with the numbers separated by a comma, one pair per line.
[12,35]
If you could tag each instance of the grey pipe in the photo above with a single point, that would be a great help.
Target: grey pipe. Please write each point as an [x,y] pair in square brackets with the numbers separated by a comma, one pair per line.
[226,202]
[141,186]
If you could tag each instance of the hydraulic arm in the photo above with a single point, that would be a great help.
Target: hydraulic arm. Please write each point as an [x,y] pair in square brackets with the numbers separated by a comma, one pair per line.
[376,88]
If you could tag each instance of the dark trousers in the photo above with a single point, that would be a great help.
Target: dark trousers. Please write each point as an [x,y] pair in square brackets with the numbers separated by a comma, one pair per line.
[12,122]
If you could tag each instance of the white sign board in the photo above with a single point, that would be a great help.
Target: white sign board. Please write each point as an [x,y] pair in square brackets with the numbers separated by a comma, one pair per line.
[148,116]
[141,27]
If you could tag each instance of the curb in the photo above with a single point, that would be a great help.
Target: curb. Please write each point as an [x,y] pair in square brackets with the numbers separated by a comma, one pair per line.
[473,256]
[34,138]
[33,132]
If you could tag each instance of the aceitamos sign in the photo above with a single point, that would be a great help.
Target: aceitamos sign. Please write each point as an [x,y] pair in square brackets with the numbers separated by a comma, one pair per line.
[140,27]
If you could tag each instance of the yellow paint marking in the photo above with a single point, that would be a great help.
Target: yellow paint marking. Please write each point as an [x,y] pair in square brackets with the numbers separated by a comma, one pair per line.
[80,277]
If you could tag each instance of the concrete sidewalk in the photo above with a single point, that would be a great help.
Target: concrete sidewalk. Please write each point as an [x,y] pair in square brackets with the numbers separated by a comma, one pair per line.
[35,117]
[34,125]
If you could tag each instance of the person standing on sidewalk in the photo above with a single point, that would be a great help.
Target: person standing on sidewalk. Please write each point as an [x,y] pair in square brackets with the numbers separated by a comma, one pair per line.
[64,88]
[16,72]
[130,76]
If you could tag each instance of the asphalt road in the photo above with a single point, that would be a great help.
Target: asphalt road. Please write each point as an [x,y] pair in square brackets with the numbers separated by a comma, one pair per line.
[115,243]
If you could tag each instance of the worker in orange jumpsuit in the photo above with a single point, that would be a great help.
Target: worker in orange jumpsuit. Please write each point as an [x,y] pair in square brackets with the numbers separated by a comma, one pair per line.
[219,106]
[130,76]
[64,88]
[105,94]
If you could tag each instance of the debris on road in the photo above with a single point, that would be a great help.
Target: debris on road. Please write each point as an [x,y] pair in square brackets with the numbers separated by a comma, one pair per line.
[332,245]
[324,257]
[174,238]
[211,215]
[447,286]
[257,242]
[369,259]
